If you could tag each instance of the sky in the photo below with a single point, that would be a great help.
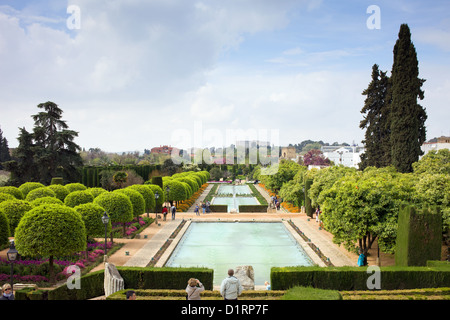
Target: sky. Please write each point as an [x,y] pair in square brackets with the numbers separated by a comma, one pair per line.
[134,74]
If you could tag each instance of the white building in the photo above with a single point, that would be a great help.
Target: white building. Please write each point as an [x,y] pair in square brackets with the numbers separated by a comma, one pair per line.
[349,156]
[436,144]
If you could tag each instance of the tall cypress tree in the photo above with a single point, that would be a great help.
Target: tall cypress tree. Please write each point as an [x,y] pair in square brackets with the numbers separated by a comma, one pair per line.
[4,150]
[376,111]
[407,118]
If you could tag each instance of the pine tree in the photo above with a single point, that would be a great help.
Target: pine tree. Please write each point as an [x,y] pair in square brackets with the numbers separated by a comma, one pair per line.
[407,118]
[56,154]
[376,111]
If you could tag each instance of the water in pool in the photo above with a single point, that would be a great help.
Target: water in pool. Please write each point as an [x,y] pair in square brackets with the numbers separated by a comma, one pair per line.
[224,245]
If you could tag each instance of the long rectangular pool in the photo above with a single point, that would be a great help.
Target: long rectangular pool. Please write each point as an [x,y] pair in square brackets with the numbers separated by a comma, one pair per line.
[224,245]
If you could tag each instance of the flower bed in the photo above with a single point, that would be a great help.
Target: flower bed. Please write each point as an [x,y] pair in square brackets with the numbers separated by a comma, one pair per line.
[37,270]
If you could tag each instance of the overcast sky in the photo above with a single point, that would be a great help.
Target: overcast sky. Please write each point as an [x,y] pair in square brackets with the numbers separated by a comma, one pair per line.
[134,74]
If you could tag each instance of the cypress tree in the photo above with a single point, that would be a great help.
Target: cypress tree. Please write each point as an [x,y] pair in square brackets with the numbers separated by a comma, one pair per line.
[407,118]
[376,111]
[4,150]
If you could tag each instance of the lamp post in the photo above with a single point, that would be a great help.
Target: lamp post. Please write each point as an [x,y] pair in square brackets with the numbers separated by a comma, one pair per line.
[156,207]
[167,193]
[105,220]
[12,257]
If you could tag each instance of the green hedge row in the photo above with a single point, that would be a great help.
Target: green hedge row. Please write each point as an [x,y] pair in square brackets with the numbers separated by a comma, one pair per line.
[218,208]
[253,208]
[355,278]
[92,284]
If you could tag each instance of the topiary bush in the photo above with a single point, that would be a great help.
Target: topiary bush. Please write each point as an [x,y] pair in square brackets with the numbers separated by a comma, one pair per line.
[14,191]
[96,191]
[147,194]
[46,200]
[14,211]
[137,200]
[6,197]
[60,191]
[52,231]
[26,187]
[4,229]
[39,193]
[91,214]
[117,206]
[75,187]
[76,198]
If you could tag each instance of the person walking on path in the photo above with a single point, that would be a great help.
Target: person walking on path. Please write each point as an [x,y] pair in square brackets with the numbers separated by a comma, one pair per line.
[196,210]
[173,210]
[164,211]
[231,287]
[193,289]
[203,207]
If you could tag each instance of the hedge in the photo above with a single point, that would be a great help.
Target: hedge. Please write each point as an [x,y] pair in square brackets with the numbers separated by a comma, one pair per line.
[218,208]
[355,278]
[253,208]
[92,284]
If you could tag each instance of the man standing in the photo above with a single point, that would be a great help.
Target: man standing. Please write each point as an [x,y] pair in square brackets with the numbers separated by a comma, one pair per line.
[231,287]
[173,209]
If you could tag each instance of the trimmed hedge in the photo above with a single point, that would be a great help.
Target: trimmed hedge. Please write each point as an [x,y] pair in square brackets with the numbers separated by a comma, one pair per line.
[218,208]
[92,284]
[355,278]
[253,208]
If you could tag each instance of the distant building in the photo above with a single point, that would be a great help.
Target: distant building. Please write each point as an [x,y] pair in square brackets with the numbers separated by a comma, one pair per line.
[436,144]
[348,156]
[288,153]
[163,150]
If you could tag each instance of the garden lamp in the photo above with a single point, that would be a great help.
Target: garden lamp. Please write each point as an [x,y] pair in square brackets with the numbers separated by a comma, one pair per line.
[156,209]
[105,220]
[12,257]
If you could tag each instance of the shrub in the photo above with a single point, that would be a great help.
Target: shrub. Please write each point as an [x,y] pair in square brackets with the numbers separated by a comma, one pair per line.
[91,214]
[14,211]
[147,194]
[137,200]
[50,230]
[6,197]
[28,186]
[76,198]
[46,200]
[96,191]
[117,206]
[14,191]
[39,193]
[57,181]
[4,229]
[75,187]
[60,191]
[309,293]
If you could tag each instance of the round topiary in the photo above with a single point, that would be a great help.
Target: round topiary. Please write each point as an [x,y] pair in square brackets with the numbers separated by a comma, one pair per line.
[28,186]
[137,200]
[92,214]
[39,193]
[4,229]
[76,198]
[6,197]
[96,191]
[147,194]
[46,200]
[60,191]
[75,187]
[117,206]
[14,191]
[50,230]
[161,196]
[177,190]
[14,211]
